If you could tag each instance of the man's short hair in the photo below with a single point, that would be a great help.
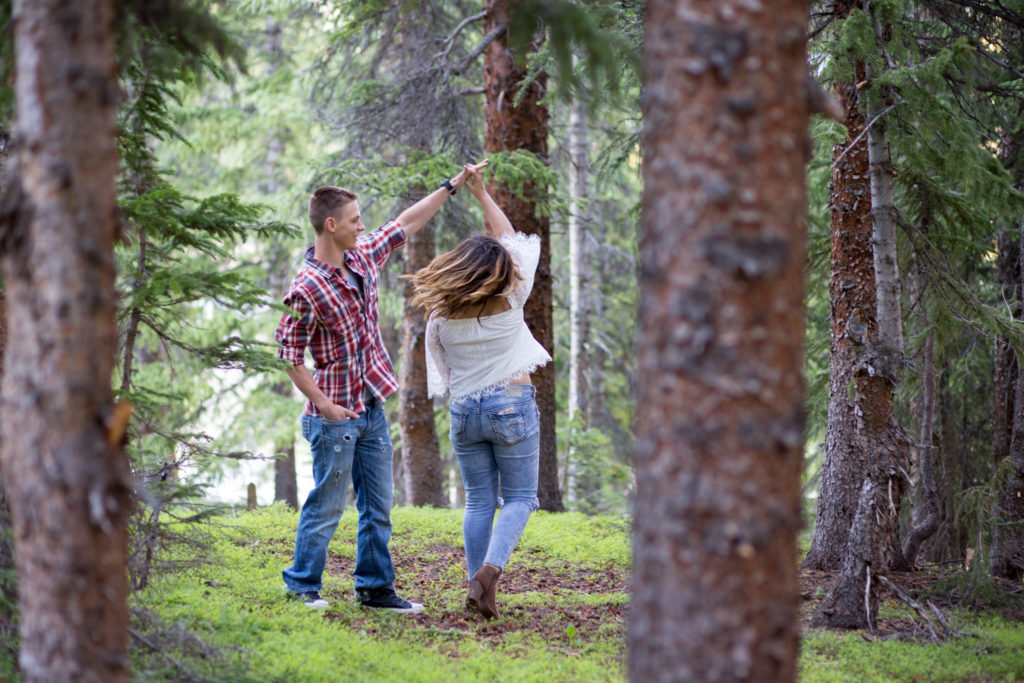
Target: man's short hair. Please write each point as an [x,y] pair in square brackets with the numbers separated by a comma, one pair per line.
[327,201]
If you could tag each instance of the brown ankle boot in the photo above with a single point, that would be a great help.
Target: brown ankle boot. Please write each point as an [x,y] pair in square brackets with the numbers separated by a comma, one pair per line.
[483,590]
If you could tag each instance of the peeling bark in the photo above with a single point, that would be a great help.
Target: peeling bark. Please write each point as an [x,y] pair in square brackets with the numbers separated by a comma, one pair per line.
[852,305]
[852,602]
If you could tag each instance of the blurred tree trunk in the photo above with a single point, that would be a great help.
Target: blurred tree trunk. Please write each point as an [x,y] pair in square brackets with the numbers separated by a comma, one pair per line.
[852,305]
[425,475]
[67,484]
[852,602]
[1007,559]
[926,512]
[720,379]
[507,128]
[286,487]
[578,486]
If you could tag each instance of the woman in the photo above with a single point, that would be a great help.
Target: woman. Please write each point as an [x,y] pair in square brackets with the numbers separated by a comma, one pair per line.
[480,350]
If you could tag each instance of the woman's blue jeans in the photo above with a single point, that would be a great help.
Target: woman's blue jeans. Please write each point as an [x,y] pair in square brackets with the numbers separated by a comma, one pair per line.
[359,449]
[496,438]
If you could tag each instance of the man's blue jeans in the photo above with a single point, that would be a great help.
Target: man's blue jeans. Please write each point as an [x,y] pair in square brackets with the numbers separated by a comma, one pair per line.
[359,449]
[496,437]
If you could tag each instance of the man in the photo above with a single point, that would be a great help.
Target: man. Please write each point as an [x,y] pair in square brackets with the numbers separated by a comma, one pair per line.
[335,301]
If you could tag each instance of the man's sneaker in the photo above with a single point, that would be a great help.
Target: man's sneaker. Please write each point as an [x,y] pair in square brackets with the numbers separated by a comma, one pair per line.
[311,600]
[386,598]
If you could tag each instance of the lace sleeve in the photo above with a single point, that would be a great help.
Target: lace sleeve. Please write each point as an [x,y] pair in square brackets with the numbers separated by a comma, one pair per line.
[438,372]
[525,252]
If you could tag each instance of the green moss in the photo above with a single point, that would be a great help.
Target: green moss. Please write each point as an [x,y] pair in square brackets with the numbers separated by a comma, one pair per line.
[238,606]
[992,653]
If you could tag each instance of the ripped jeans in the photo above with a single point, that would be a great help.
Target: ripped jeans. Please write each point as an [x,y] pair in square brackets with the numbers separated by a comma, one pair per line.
[496,436]
[358,449]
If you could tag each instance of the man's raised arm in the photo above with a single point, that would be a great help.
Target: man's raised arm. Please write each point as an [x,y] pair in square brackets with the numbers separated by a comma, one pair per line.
[417,215]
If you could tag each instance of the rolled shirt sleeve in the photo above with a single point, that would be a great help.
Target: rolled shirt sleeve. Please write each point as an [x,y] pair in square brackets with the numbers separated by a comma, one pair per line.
[295,330]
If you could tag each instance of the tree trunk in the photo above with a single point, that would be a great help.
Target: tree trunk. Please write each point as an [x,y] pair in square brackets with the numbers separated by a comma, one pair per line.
[720,377]
[926,513]
[852,304]
[852,602]
[577,484]
[525,127]
[424,472]
[1007,559]
[286,486]
[67,485]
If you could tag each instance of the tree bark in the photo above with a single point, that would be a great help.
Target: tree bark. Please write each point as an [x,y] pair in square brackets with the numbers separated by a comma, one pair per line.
[720,378]
[852,304]
[577,483]
[424,472]
[508,127]
[852,602]
[286,486]
[67,484]
[926,513]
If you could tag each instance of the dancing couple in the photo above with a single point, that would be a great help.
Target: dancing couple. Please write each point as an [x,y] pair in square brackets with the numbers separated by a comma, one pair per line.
[479,351]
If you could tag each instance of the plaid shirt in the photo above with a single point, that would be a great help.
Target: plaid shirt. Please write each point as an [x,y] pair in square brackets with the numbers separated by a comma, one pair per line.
[340,327]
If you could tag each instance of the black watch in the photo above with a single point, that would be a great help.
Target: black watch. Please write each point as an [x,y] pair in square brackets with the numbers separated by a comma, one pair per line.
[447,184]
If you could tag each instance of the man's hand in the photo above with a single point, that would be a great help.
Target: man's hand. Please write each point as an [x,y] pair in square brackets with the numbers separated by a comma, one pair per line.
[467,170]
[333,411]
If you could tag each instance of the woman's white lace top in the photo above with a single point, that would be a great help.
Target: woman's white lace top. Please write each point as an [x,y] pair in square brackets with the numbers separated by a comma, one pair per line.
[465,356]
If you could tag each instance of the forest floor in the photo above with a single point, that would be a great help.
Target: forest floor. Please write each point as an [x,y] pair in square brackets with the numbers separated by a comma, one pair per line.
[564,599]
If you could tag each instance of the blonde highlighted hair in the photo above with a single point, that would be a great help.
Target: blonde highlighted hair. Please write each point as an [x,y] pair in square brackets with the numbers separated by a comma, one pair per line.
[464,279]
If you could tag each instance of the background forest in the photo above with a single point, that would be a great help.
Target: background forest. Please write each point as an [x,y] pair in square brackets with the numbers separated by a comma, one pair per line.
[883,451]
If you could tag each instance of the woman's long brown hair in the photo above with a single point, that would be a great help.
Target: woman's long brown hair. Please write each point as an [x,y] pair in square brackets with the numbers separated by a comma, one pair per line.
[464,279]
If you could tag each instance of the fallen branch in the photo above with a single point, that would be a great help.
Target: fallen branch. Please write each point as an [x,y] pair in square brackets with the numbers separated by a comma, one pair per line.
[917,608]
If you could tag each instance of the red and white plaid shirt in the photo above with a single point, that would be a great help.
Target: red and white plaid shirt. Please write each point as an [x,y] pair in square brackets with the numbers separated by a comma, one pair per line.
[339,326]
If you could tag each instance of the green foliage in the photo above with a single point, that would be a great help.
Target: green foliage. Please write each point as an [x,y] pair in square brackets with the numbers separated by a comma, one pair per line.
[236,624]
[236,605]
[989,652]
[606,35]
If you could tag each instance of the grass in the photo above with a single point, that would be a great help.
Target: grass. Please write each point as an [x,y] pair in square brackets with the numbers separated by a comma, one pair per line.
[237,605]
[563,615]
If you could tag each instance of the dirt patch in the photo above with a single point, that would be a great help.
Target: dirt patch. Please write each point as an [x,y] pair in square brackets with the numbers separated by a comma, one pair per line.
[437,569]
[438,572]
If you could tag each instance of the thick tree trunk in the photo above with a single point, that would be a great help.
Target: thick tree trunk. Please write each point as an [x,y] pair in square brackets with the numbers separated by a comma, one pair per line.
[720,387]
[853,601]
[66,483]
[508,128]
[852,304]
[424,472]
